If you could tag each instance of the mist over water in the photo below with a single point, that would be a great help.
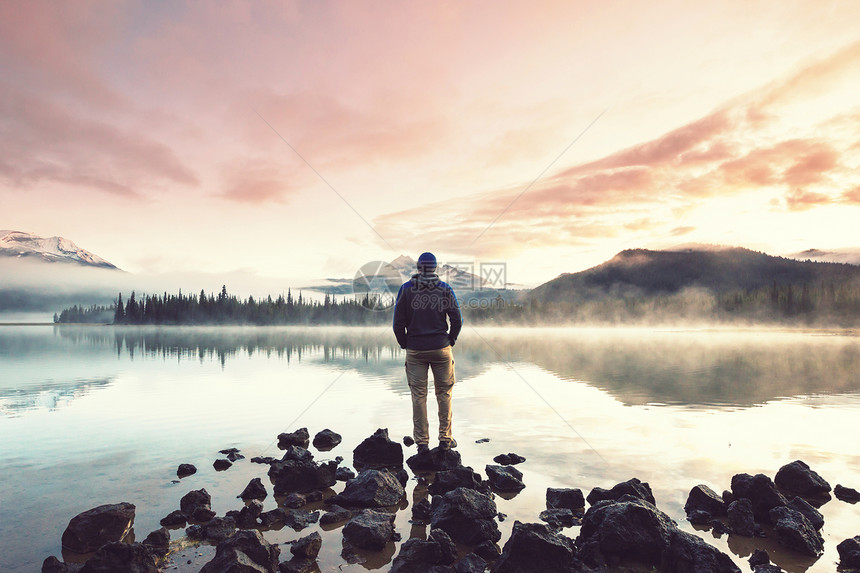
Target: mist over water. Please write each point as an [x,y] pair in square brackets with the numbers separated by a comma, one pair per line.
[93,415]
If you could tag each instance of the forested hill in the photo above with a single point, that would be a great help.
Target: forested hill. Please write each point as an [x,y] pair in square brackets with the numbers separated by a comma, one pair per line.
[646,273]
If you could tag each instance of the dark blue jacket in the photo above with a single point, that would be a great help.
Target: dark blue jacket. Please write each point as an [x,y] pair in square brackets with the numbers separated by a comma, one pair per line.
[420,313]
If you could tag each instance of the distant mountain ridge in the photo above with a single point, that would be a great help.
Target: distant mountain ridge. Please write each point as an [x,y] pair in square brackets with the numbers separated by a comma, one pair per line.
[643,272]
[17,244]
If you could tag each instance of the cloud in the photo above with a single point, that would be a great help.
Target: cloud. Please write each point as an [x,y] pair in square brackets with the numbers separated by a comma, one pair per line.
[257,182]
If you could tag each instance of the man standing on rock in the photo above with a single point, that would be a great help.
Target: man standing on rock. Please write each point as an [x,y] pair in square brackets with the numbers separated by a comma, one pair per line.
[425,306]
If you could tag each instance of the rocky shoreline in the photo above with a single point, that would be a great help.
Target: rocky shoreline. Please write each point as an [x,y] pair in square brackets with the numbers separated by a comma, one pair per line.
[622,529]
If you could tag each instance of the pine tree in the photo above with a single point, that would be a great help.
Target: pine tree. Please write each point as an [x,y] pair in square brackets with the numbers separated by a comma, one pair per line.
[119,313]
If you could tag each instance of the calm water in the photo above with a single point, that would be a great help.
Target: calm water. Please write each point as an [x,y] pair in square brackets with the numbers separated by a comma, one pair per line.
[93,415]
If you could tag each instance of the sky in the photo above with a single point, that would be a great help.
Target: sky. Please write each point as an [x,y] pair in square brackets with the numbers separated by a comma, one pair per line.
[300,140]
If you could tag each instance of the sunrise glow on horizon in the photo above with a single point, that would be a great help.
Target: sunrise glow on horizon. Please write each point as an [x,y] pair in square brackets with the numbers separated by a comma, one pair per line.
[302,139]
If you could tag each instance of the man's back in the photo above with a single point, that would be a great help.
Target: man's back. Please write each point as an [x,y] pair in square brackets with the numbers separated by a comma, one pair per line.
[424,307]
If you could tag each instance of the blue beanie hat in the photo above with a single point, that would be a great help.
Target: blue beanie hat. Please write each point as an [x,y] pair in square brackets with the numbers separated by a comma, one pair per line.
[427,263]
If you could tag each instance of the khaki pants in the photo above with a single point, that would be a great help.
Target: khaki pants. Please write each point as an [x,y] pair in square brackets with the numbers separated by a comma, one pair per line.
[441,361]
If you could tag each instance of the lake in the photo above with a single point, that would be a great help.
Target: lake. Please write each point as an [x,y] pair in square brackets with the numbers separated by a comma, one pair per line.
[99,414]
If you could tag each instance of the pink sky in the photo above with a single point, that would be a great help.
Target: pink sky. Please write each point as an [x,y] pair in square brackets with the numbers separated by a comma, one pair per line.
[139,131]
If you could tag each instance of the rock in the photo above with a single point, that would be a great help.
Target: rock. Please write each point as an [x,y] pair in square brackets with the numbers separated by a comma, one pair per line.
[488,550]
[560,517]
[761,492]
[54,565]
[185,470]
[509,459]
[326,440]
[699,517]
[301,476]
[419,556]
[501,516]
[91,529]
[482,440]
[273,519]
[300,438]
[298,519]
[466,515]
[408,441]
[632,487]
[174,520]
[741,518]
[263,460]
[307,547]
[421,512]
[628,528]
[846,494]
[402,476]
[335,514]
[565,498]
[703,498]
[690,553]
[794,531]
[798,479]
[198,498]
[116,556]
[235,456]
[218,529]
[849,553]
[470,563]
[372,488]
[767,568]
[718,528]
[344,474]
[377,452]
[254,490]
[448,480]
[247,517]
[727,497]
[535,547]
[202,515]
[245,551]
[813,515]
[297,453]
[297,565]
[435,460]
[505,478]
[759,557]
[221,465]
[294,501]
[369,529]
[158,541]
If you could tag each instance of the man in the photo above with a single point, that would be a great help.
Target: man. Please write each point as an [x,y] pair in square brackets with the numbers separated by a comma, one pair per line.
[425,305]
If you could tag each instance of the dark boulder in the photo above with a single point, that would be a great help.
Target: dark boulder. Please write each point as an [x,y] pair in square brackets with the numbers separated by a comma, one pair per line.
[263,460]
[699,517]
[846,494]
[688,553]
[194,500]
[217,529]
[560,517]
[232,454]
[273,519]
[565,498]
[91,529]
[245,551]
[115,556]
[300,438]
[794,531]
[185,470]
[335,514]
[344,474]
[488,550]
[435,460]
[326,440]
[509,459]
[369,529]
[301,476]
[174,519]
[248,516]
[221,465]
[421,512]
[536,547]
[849,553]
[798,479]
[299,519]
[202,515]
[419,556]
[294,501]
[741,518]
[299,565]
[470,563]
[54,565]
[448,480]
[372,488]
[307,547]
[759,557]
[813,515]
[297,453]
[408,441]
[703,498]
[466,515]
[762,493]
[505,478]
[158,541]
[254,490]
[632,487]
[628,528]
[377,452]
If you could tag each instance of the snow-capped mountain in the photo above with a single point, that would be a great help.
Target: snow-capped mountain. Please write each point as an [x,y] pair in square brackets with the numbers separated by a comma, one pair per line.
[51,249]
[457,276]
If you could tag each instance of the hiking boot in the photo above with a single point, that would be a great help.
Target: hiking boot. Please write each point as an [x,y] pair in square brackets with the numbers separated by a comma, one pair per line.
[447,445]
[423,448]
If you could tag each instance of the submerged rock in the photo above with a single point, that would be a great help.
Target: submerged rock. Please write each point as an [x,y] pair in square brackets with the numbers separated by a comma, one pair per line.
[372,488]
[688,552]
[448,480]
[221,465]
[307,547]
[632,487]
[300,476]
[335,514]
[254,490]
[762,493]
[91,529]
[54,565]
[703,498]
[628,528]
[126,557]
[419,556]
[326,440]
[536,547]
[509,459]
[299,519]
[174,519]
[435,460]
[246,550]
[816,519]
[798,479]
[560,517]
[794,531]
[377,452]
[343,473]
[369,529]
[466,515]
[300,438]
[185,470]
[195,500]
[158,541]
[846,494]
[565,498]
[849,553]
[741,518]
[505,478]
